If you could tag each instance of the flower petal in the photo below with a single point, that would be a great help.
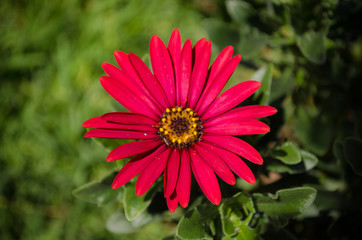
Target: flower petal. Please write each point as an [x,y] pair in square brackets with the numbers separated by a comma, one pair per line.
[172,202]
[174,48]
[222,59]
[126,97]
[136,86]
[128,118]
[199,74]
[205,177]
[132,148]
[172,172]
[236,164]
[183,186]
[239,127]
[236,146]
[184,74]
[211,91]
[151,172]
[149,80]
[215,162]
[250,112]
[134,166]
[120,134]
[124,63]
[99,122]
[230,98]
[163,68]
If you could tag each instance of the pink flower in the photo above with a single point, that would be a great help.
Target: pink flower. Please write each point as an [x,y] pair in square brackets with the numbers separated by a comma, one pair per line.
[180,123]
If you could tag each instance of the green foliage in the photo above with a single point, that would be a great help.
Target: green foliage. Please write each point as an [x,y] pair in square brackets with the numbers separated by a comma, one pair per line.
[307,55]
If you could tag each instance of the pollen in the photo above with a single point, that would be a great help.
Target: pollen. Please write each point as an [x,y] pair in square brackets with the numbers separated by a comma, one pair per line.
[180,127]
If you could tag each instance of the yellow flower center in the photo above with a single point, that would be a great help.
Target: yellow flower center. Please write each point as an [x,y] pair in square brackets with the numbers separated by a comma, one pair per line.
[180,127]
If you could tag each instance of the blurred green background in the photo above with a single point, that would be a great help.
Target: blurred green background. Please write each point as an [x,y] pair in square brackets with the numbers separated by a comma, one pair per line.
[51,55]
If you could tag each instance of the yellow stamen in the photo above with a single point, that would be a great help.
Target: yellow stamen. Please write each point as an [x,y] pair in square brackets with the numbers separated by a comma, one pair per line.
[168,110]
[161,129]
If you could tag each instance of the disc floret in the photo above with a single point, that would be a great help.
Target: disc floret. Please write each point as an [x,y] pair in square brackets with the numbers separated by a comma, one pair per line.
[180,127]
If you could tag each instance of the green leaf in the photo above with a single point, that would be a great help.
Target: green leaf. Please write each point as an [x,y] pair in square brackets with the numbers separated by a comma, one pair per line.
[285,203]
[192,226]
[288,153]
[238,10]
[353,153]
[99,193]
[108,143]
[313,46]
[236,214]
[118,223]
[264,75]
[309,161]
[221,33]
[134,205]
[251,42]
[313,130]
[283,85]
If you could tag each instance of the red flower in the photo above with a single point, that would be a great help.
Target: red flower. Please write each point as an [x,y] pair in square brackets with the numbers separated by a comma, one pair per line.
[181,122]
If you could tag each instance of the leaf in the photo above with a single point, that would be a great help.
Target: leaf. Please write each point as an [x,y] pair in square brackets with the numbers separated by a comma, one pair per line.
[99,193]
[109,144]
[285,203]
[236,214]
[264,75]
[251,42]
[134,205]
[308,162]
[283,85]
[313,46]
[118,223]
[313,130]
[221,33]
[353,153]
[192,226]
[238,10]
[288,153]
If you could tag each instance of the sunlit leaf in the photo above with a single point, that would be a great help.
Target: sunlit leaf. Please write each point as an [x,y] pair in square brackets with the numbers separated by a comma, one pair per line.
[264,75]
[238,10]
[236,214]
[221,33]
[285,203]
[99,193]
[118,223]
[134,205]
[288,153]
[192,226]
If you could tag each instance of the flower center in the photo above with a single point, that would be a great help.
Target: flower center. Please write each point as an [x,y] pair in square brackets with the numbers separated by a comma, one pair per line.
[180,127]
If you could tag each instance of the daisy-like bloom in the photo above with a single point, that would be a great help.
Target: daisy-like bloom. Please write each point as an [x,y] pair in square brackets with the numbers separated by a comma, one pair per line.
[180,123]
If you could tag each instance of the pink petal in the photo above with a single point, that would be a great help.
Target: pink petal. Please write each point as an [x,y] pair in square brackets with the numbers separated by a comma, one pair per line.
[211,92]
[239,127]
[230,98]
[121,134]
[126,97]
[172,172]
[222,59]
[215,162]
[134,166]
[151,172]
[124,63]
[205,177]
[99,122]
[236,164]
[236,114]
[183,186]
[134,85]
[132,148]
[174,48]
[199,74]
[172,202]
[149,80]
[184,74]
[129,118]
[236,146]
[163,68]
